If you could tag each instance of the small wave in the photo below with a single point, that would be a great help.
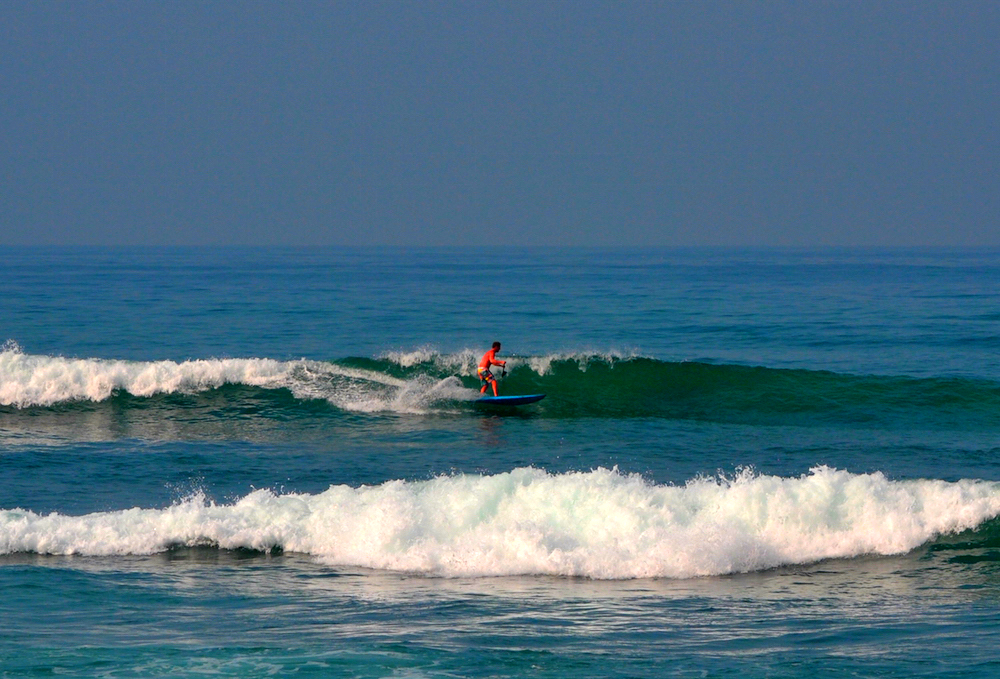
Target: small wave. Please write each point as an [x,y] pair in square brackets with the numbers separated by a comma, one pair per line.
[599,524]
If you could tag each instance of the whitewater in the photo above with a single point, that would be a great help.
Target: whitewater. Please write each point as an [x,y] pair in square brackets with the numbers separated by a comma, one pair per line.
[27,381]
[598,524]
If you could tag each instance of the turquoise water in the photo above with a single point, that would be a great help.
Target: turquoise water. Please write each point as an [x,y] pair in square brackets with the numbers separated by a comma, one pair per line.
[248,463]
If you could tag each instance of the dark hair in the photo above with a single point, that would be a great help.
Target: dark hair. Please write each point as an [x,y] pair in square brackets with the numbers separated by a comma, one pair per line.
[496,345]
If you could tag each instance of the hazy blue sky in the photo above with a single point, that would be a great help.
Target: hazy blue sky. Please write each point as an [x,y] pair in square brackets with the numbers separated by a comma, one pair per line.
[500,123]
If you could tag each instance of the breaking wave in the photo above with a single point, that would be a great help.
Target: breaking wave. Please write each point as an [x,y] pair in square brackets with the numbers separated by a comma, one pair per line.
[600,524]
[578,385]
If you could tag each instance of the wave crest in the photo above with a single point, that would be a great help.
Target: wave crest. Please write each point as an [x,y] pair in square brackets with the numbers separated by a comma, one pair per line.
[598,524]
[31,381]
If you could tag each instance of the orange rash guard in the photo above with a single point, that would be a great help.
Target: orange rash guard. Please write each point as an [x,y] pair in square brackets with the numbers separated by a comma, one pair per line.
[490,358]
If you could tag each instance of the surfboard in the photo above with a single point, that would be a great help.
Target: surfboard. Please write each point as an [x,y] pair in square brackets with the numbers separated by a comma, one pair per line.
[508,400]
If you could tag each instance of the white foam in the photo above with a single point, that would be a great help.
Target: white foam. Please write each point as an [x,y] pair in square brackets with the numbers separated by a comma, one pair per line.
[598,524]
[465,362]
[31,380]
[28,380]
[460,363]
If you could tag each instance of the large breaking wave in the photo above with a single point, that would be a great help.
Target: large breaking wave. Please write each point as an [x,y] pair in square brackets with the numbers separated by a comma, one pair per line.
[598,524]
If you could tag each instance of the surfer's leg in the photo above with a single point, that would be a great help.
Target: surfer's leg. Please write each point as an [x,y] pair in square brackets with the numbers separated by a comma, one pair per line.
[487,378]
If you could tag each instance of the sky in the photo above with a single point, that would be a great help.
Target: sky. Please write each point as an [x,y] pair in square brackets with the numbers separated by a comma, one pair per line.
[498,124]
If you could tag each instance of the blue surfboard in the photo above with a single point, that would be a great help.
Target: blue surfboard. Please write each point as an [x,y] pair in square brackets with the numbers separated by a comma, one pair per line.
[508,400]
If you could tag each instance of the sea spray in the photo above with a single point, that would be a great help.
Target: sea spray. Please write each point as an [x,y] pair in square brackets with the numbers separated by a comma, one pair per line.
[598,524]
[464,362]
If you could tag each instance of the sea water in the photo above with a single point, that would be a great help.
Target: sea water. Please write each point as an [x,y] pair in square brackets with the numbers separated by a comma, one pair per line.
[241,462]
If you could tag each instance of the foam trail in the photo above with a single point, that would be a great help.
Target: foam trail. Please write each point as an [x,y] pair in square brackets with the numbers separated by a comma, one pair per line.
[598,524]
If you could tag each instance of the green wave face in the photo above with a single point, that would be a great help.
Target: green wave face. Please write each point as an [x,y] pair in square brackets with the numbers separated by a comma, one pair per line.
[617,387]
[643,387]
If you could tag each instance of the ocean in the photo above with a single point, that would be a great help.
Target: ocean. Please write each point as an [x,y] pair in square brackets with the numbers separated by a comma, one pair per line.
[243,462]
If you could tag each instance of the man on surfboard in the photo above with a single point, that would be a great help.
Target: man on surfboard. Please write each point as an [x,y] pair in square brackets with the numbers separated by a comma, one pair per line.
[489,358]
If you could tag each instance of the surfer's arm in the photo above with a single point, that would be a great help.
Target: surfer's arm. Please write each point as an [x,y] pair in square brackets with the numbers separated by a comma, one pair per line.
[491,359]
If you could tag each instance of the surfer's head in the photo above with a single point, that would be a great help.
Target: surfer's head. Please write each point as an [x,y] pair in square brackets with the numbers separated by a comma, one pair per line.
[496,346]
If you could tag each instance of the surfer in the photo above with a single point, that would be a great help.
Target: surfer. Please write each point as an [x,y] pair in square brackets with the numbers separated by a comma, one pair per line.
[489,358]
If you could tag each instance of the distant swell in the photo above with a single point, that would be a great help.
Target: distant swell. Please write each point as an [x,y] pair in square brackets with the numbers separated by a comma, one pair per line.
[578,385]
[598,524]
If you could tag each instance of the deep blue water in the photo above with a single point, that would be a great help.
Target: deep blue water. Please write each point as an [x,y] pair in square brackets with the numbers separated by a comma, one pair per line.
[748,463]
